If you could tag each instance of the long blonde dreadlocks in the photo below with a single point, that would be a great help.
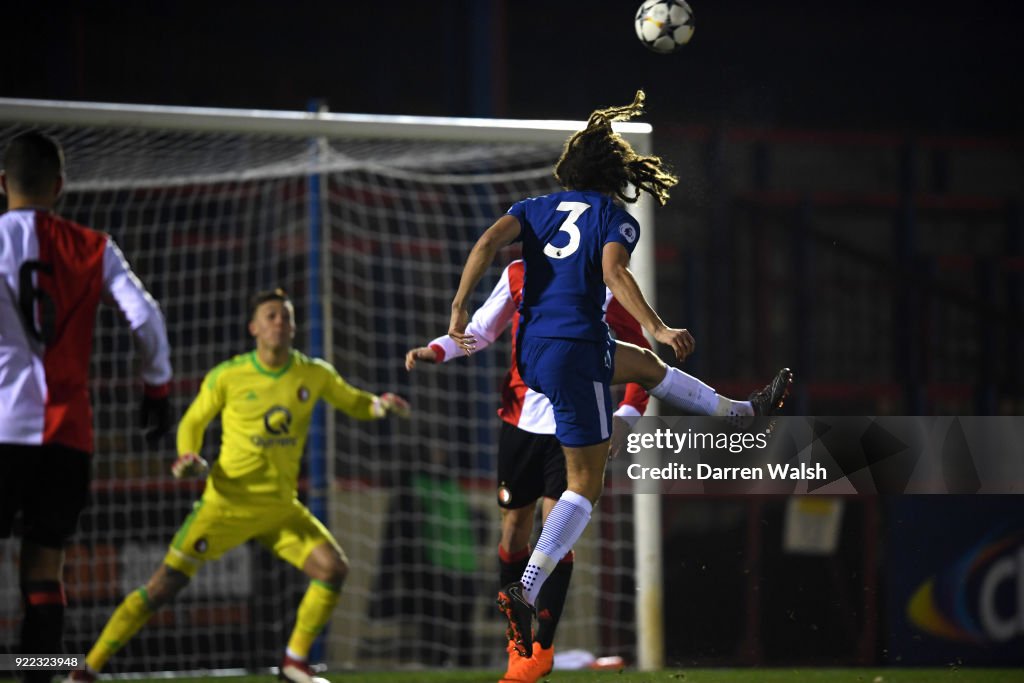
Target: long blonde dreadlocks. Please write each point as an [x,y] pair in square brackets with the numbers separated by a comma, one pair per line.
[597,158]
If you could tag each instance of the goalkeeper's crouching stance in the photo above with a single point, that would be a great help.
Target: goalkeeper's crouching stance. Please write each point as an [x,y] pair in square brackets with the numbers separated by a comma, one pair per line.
[265,399]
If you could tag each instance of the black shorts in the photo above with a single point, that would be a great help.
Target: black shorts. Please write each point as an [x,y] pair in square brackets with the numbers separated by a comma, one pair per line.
[49,484]
[529,466]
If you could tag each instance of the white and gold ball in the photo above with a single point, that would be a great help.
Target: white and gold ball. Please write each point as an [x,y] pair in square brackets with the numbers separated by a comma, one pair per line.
[664,26]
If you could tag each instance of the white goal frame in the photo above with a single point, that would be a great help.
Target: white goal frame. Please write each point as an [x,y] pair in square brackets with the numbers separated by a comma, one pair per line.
[309,125]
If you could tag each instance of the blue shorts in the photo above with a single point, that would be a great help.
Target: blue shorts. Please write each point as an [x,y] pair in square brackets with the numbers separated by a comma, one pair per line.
[575,375]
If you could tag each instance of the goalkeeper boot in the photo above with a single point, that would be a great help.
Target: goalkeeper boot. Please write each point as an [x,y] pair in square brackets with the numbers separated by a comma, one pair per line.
[519,613]
[80,675]
[297,671]
[770,399]
[532,670]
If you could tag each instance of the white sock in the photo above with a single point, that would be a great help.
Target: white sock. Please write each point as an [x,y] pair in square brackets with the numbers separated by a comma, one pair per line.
[690,394]
[291,655]
[564,525]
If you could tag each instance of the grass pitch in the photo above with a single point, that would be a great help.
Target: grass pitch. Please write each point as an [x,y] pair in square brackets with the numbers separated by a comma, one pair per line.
[779,675]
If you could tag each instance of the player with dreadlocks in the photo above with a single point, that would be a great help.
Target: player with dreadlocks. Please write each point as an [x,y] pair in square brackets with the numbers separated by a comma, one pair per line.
[574,243]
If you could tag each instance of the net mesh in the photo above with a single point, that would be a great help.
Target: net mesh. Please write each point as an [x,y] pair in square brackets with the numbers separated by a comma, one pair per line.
[207,219]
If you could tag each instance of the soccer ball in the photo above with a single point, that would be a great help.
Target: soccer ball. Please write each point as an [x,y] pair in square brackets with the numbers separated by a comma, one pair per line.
[664,26]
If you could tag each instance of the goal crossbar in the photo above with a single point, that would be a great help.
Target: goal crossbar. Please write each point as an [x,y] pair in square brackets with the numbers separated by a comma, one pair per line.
[301,124]
[312,125]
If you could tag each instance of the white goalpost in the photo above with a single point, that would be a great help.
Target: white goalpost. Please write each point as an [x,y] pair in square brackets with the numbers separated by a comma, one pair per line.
[366,221]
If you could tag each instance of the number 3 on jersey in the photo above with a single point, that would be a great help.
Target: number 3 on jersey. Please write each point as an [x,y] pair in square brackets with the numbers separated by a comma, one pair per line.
[575,210]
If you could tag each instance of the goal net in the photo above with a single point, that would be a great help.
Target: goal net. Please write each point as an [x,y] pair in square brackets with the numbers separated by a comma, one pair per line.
[366,223]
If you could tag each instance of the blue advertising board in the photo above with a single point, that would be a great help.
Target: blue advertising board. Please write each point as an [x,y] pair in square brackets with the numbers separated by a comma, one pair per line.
[954,580]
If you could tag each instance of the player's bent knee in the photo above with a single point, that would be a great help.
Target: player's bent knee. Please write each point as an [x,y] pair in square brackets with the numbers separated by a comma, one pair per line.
[518,521]
[522,529]
[337,571]
[515,535]
[640,365]
[327,564]
[165,585]
[652,369]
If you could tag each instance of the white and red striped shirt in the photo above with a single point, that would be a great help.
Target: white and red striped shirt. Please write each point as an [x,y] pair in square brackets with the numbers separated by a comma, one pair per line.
[53,274]
[520,405]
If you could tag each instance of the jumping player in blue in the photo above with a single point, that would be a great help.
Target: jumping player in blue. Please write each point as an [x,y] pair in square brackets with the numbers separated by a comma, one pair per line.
[574,243]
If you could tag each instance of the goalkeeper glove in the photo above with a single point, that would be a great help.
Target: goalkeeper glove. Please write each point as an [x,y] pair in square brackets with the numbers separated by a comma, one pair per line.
[155,414]
[390,403]
[189,465]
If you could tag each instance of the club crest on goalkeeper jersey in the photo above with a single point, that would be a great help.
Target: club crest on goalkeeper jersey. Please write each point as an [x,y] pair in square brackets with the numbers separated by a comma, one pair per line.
[265,418]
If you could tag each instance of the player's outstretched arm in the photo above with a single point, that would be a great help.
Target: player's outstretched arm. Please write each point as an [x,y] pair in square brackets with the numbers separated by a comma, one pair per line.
[488,323]
[420,353]
[615,267]
[358,403]
[504,231]
[391,404]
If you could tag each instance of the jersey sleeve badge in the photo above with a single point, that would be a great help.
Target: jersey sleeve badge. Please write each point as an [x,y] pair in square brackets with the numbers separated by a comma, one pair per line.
[628,231]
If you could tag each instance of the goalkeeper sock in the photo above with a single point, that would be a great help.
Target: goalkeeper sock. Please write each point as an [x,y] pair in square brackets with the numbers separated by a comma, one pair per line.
[511,565]
[133,612]
[314,613]
[551,601]
[564,526]
[43,623]
[690,394]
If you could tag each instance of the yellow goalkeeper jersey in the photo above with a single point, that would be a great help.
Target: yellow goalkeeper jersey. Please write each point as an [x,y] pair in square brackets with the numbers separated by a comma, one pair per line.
[265,417]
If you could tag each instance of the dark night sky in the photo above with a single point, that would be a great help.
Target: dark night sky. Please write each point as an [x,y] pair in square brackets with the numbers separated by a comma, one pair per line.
[938,67]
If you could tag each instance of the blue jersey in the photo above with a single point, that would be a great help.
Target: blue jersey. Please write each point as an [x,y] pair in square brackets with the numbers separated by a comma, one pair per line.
[563,237]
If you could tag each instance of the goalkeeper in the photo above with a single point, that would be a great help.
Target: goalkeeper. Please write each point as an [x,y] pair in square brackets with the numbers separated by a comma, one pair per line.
[266,399]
